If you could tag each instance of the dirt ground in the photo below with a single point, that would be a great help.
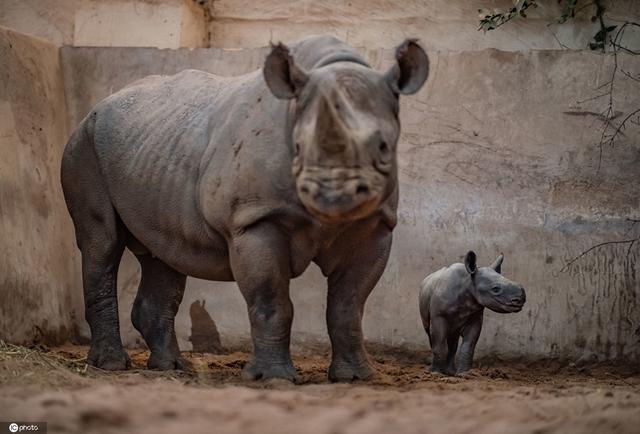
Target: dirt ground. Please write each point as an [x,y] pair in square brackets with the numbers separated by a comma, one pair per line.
[54,385]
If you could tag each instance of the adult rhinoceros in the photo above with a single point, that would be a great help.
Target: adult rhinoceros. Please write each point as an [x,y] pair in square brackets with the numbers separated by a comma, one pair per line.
[247,178]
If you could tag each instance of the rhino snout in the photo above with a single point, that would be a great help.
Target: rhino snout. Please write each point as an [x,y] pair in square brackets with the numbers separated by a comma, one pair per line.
[337,200]
[507,300]
[518,299]
[522,297]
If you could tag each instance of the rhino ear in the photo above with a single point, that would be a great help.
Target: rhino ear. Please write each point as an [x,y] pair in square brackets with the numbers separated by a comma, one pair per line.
[470,262]
[497,264]
[411,69]
[283,76]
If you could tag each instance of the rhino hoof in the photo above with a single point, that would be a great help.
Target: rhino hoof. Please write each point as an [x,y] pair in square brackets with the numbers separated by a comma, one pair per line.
[470,373]
[256,371]
[443,372]
[342,373]
[109,360]
[164,363]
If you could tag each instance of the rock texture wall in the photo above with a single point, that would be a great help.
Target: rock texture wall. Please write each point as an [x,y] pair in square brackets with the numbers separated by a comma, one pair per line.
[38,257]
[140,23]
[497,154]
[52,20]
[107,23]
[440,24]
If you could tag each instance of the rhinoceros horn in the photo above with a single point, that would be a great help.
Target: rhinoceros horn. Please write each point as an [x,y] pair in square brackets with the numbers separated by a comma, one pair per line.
[332,131]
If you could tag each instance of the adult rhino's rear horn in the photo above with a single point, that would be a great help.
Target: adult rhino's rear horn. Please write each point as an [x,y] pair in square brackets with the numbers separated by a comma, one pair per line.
[411,69]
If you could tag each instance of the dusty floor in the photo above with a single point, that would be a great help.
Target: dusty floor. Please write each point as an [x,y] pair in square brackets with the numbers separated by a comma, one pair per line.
[54,385]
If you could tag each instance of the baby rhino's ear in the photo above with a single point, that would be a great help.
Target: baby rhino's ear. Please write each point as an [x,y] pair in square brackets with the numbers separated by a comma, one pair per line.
[497,264]
[470,262]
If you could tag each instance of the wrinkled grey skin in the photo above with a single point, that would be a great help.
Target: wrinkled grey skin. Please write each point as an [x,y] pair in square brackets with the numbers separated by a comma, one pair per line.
[452,302]
[250,179]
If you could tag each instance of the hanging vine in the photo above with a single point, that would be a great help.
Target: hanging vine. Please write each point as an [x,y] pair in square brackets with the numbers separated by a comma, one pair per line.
[609,38]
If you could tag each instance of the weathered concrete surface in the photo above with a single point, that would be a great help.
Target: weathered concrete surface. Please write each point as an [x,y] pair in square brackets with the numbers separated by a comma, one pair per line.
[440,24]
[126,23]
[38,259]
[496,155]
[140,23]
[51,20]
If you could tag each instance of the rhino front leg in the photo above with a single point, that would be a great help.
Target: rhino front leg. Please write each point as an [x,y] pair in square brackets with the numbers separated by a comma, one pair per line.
[154,311]
[350,284]
[260,264]
[470,335]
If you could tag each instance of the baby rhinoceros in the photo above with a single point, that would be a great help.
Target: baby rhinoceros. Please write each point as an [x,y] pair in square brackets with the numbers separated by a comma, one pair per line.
[452,302]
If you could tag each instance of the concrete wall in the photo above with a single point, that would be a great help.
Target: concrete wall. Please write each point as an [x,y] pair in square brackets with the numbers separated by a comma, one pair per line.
[38,256]
[162,24]
[127,23]
[497,154]
[440,24]
[50,20]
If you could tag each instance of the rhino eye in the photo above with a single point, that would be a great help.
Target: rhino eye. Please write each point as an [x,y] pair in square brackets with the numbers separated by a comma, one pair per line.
[381,152]
[384,152]
[495,290]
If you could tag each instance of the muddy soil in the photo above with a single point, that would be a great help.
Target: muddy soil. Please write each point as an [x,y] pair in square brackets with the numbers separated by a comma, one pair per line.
[54,385]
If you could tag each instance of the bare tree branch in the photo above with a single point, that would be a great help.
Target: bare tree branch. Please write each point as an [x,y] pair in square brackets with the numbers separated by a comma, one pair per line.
[631,242]
[630,76]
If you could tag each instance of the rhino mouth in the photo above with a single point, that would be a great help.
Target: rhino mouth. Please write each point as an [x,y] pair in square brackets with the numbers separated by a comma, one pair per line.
[507,307]
[337,200]
[514,307]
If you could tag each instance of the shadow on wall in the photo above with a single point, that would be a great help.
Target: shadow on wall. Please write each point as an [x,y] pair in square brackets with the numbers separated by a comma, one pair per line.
[204,333]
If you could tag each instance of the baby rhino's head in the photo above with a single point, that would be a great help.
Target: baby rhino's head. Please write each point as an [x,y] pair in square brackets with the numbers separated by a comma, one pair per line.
[491,289]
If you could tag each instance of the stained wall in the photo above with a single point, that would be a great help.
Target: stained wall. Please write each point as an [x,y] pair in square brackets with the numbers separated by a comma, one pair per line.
[499,153]
[38,257]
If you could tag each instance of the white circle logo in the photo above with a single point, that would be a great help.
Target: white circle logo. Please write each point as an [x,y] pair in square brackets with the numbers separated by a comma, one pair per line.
[13,427]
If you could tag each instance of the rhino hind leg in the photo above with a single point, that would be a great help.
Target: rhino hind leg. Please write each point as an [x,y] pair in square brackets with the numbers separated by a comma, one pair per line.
[470,335]
[440,345]
[99,274]
[156,305]
[452,346]
[100,236]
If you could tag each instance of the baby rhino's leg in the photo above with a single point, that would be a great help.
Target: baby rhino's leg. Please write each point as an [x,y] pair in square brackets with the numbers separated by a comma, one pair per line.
[470,335]
[439,333]
[452,342]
